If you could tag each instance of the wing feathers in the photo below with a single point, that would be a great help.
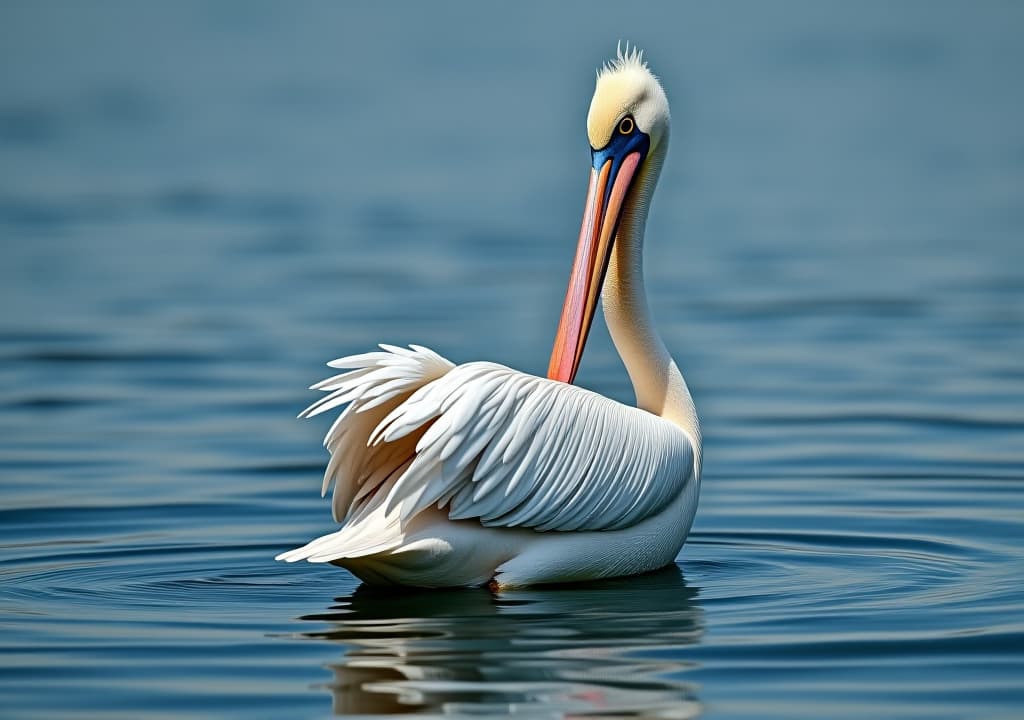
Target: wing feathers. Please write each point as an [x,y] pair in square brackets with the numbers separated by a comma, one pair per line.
[376,384]
[484,442]
[512,450]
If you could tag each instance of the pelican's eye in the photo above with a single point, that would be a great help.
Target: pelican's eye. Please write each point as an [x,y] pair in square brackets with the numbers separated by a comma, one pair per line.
[626,125]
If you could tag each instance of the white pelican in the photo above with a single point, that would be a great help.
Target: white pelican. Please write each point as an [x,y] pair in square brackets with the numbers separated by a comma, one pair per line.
[448,475]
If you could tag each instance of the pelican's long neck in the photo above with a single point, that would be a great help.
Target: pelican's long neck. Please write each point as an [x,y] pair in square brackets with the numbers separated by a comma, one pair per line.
[659,386]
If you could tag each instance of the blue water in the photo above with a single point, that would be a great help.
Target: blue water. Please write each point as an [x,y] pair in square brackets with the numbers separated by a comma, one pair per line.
[200,204]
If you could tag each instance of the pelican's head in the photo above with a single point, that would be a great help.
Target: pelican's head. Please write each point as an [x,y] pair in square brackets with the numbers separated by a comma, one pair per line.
[626,88]
[627,125]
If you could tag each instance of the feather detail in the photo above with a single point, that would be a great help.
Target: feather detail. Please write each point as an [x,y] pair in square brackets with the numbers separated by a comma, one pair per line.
[483,442]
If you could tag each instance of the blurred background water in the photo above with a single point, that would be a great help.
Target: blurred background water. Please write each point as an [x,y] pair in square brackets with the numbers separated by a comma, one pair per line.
[201,203]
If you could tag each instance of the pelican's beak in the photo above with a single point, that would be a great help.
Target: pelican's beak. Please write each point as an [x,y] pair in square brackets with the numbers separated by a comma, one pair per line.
[613,174]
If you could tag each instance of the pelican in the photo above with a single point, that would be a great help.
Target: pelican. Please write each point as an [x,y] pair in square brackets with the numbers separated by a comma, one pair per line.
[461,475]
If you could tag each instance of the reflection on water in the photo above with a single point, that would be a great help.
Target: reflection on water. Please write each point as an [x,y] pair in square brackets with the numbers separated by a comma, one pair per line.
[555,652]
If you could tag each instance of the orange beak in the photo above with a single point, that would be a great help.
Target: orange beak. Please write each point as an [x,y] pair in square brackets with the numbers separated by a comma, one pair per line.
[609,184]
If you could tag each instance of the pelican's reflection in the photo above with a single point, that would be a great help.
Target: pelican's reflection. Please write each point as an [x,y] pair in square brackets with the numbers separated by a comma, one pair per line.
[611,648]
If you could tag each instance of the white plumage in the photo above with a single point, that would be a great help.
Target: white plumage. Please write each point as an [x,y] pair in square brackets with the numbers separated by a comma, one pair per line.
[488,444]
[460,475]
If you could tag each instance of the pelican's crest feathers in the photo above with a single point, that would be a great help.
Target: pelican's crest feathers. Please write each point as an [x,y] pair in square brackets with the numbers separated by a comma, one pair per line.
[625,59]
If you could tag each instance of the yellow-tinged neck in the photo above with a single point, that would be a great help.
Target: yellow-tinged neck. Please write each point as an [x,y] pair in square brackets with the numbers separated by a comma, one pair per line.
[657,381]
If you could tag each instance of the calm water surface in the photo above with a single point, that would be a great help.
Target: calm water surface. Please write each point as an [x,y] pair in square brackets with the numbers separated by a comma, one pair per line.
[200,204]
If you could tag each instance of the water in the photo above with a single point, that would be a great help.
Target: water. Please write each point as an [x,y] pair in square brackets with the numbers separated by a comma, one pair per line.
[199,205]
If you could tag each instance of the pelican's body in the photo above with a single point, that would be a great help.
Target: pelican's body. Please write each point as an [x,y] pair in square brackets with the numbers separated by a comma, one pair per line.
[450,475]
